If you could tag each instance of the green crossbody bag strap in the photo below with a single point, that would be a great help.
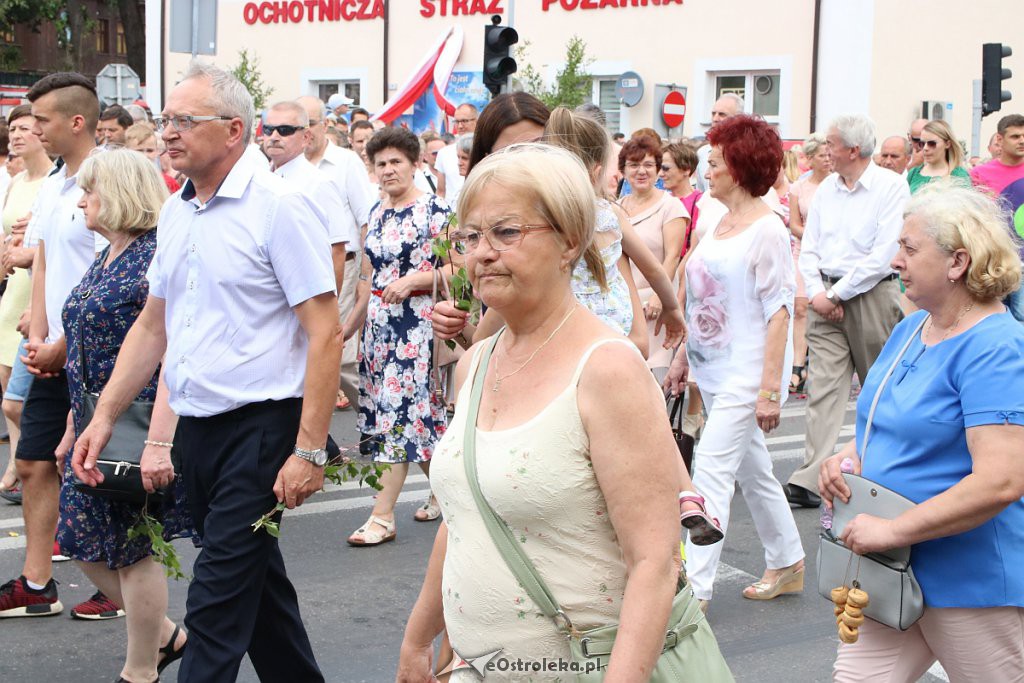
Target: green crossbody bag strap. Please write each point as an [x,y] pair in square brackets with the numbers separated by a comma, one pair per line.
[508,547]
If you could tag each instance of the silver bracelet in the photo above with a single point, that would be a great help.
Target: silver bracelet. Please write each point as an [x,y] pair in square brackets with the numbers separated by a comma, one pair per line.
[162,444]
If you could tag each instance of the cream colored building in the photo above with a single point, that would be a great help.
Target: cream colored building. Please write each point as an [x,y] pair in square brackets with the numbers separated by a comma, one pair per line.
[881,57]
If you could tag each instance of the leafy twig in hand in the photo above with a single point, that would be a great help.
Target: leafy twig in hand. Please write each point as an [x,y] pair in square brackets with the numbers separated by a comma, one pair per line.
[163,551]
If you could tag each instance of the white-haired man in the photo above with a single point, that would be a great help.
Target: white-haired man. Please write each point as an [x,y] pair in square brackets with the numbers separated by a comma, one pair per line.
[285,137]
[848,243]
[349,172]
[242,311]
[729,104]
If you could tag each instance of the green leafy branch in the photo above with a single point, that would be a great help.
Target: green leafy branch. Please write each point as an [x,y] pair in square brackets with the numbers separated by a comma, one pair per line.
[163,551]
[460,286]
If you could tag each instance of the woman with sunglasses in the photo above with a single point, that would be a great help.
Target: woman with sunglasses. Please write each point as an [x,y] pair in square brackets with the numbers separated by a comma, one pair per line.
[942,154]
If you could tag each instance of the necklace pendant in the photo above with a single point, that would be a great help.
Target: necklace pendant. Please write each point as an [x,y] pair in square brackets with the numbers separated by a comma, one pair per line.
[497,385]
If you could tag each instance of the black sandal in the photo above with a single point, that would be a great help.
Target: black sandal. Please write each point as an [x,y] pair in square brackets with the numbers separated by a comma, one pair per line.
[800,386]
[170,654]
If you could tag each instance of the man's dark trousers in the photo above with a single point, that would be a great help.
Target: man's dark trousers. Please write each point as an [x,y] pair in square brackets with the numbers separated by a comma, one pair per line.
[240,599]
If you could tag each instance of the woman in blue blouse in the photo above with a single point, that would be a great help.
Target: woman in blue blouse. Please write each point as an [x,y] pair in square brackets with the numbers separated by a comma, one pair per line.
[122,197]
[948,434]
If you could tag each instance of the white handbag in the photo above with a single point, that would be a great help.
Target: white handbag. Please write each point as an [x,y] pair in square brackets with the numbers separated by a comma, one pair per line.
[896,599]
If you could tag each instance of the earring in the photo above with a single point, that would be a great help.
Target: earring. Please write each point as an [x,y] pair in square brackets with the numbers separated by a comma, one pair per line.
[952,281]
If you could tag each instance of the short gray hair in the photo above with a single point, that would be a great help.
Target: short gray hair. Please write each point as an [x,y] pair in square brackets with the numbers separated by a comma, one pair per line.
[740,104]
[293,107]
[856,130]
[464,143]
[230,98]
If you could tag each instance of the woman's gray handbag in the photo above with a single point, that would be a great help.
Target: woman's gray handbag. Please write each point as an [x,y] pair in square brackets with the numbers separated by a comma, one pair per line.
[690,651]
[887,577]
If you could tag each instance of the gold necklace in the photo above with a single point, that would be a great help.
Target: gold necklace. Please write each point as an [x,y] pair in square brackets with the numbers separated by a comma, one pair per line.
[499,379]
[955,325]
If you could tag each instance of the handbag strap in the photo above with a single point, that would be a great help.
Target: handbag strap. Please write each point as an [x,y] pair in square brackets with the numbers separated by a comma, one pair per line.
[675,418]
[508,547]
[885,380]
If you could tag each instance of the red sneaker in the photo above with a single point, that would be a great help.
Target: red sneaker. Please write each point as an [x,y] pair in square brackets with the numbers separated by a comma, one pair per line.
[96,608]
[18,600]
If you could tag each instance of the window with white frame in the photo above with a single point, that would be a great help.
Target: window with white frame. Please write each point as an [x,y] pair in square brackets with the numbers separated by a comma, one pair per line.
[327,88]
[759,90]
[605,98]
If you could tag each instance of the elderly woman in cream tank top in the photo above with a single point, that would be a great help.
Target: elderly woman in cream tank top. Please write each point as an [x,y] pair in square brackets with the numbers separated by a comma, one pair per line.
[592,498]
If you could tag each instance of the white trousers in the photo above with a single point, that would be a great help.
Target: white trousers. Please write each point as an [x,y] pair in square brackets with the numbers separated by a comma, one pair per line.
[733,451]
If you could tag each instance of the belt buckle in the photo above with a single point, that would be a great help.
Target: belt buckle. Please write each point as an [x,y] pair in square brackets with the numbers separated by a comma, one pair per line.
[671,640]
[583,646]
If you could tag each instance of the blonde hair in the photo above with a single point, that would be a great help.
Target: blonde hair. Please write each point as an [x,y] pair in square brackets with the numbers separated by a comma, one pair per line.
[131,190]
[552,181]
[138,133]
[954,153]
[960,217]
[813,143]
[790,165]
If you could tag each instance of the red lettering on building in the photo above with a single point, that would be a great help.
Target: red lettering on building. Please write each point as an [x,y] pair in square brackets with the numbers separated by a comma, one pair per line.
[250,13]
[457,8]
[571,5]
[426,8]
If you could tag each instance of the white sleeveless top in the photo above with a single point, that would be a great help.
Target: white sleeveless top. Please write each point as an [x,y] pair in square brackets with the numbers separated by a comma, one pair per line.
[539,479]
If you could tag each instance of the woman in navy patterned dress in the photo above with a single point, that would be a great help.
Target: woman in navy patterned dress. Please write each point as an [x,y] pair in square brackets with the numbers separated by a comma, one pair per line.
[400,416]
[122,199]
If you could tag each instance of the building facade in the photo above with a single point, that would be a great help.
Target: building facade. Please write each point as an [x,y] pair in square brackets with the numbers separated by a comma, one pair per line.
[891,60]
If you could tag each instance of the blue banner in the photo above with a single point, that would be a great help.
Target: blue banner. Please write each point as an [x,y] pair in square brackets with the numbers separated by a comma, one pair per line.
[463,87]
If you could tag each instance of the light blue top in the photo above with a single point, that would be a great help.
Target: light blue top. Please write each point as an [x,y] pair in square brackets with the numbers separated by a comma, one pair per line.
[918,448]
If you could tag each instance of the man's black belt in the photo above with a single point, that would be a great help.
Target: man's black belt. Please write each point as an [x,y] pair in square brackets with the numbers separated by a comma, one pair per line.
[832,279]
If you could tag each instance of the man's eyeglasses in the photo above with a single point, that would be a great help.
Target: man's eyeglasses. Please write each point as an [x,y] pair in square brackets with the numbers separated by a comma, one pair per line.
[183,122]
[463,122]
[500,237]
[283,130]
[917,142]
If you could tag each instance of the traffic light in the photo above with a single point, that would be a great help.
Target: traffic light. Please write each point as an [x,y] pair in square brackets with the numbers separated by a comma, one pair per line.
[498,65]
[992,76]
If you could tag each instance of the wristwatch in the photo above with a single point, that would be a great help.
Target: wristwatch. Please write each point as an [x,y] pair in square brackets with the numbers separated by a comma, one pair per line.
[832,297]
[318,456]
[772,396]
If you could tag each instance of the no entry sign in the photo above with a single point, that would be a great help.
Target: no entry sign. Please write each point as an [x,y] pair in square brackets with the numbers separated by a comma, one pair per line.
[673,109]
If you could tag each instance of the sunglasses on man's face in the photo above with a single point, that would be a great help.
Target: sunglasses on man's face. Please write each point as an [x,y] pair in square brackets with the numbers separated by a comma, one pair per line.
[917,142]
[282,130]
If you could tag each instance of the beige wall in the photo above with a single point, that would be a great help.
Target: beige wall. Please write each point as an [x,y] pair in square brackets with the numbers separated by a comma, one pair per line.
[931,50]
[670,44]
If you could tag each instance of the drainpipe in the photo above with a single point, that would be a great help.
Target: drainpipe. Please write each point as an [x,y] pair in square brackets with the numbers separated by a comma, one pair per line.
[387,26]
[813,124]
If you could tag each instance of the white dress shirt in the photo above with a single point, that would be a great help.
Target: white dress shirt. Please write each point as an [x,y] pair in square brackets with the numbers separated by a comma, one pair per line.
[447,163]
[231,270]
[348,171]
[68,246]
[326,194]
[852,234]
[700,182]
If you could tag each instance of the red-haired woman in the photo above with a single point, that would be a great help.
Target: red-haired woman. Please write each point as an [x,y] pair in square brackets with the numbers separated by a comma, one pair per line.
[739,301]
[660,219]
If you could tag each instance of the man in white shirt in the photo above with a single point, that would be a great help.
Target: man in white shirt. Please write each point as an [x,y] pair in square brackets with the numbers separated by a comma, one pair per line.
[449,180]
[66,112]
[849,241]
[242,311]
[729,104]
[285,136]
[349,172]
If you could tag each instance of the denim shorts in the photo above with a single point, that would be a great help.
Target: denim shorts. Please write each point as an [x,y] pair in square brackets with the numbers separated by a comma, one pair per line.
[21,379]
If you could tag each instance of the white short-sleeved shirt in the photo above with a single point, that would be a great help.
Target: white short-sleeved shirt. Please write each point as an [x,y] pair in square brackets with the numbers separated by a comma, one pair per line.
[447,163]
[326,194]
[68,246]
[348,171]
[230,271]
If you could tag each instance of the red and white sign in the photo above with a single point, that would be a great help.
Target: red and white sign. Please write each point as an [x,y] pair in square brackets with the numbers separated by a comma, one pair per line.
[673,109]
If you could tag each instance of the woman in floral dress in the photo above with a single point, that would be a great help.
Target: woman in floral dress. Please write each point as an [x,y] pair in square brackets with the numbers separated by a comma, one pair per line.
[119,186]
[401,417]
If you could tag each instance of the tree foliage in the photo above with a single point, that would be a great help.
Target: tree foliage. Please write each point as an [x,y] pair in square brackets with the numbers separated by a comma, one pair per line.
[572,86]
[248,72]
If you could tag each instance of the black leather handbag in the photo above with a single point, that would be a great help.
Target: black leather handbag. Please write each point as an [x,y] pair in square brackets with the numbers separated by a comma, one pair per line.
[120,461]
[684,442]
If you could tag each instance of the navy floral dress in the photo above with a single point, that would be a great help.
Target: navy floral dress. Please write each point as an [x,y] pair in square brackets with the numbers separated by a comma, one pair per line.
[399,412]
[98,313]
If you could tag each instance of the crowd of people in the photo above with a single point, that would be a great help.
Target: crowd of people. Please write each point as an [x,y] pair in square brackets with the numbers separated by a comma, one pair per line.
[249,273]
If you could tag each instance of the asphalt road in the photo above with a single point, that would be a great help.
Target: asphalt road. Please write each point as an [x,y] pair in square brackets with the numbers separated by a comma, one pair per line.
[355,600]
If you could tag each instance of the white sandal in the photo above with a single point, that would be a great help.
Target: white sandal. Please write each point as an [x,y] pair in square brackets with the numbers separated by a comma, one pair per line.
[374,537]
[431,509]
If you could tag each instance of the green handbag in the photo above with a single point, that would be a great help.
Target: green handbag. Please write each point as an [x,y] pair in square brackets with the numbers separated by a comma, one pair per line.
[690,652]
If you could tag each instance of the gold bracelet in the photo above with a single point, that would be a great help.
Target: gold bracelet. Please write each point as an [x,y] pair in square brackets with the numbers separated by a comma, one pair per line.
[162,444]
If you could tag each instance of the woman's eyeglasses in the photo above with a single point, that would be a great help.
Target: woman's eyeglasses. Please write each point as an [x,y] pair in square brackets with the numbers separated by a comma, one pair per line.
[930,144]
[500,237]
